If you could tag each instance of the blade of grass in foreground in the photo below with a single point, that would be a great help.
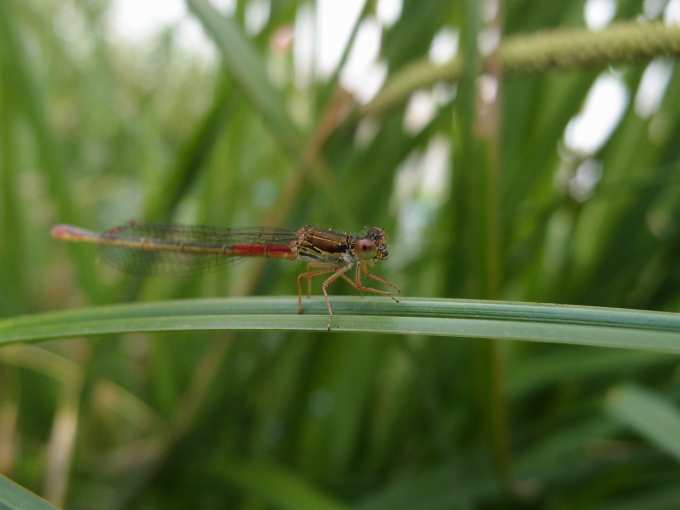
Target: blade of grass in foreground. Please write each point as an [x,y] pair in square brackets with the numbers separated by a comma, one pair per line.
[582,325]
[15,497]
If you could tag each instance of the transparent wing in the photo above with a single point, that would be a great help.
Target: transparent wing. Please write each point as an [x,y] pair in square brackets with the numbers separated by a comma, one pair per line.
[183,250]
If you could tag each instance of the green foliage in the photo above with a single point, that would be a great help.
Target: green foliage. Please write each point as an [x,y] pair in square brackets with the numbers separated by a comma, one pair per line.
[238,402]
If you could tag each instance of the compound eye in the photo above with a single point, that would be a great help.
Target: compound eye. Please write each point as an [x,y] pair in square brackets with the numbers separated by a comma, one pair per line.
[365,248]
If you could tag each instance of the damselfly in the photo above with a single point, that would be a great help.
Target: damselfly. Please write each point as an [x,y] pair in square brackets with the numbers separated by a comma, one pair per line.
[182,250]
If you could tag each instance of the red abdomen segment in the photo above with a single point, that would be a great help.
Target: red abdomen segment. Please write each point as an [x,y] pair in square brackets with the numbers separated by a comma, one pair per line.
[269,251]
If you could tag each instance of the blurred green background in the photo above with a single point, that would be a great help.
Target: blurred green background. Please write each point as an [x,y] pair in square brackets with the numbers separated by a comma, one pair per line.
[484,195]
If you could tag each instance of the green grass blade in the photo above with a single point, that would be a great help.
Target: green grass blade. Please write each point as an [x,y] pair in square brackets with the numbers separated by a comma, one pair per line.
[30,93]
[15,497]
[650,414]
[446,317]
[247,67]
[279,486]
[190,163]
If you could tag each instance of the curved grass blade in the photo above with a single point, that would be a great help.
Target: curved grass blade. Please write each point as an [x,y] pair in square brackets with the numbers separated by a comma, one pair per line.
[580,325]
[15,497]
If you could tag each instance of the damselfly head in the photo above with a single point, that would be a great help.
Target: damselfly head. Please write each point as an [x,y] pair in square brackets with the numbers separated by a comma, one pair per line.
[372,245]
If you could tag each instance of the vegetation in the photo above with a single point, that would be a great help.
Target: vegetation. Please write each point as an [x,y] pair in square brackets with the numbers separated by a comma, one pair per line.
[146,396]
